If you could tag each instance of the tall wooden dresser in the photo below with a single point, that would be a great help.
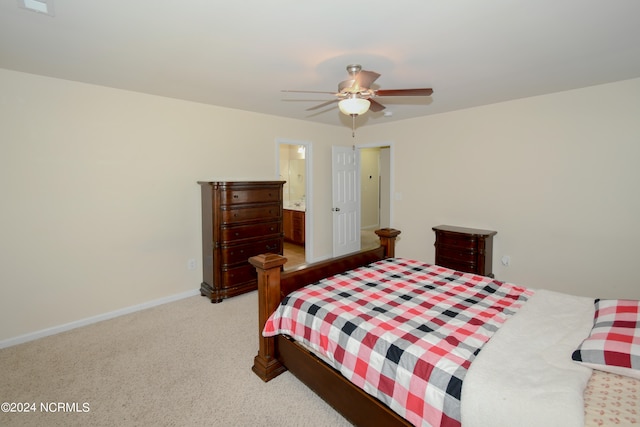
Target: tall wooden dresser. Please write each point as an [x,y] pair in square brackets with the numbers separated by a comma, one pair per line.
[240,219]
[465,249]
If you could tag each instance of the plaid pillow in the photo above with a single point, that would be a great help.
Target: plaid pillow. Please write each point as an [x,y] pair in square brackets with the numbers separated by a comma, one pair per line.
[614,342]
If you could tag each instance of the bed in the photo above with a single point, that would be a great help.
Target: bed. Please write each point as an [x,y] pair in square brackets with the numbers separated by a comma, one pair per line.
[527,386]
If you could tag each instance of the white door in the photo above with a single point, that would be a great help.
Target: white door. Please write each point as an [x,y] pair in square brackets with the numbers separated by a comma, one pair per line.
[346,200]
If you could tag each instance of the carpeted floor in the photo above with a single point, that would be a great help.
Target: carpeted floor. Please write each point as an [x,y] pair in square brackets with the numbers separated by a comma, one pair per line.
[185,363]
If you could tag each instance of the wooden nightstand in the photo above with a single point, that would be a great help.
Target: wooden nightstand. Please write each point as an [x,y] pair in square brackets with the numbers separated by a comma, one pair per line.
[465,249]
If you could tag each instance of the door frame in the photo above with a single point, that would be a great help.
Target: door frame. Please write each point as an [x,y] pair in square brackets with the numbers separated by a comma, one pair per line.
[308,216]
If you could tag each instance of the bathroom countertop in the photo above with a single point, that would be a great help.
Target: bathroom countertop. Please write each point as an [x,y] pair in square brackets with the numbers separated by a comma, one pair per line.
[293,207]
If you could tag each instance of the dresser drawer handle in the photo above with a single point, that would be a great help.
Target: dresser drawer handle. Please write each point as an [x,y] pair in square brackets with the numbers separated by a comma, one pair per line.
[235,196]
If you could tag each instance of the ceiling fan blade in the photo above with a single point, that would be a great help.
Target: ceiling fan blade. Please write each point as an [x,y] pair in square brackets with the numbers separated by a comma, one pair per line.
[375,106]
[364,79]
[404,92]
[324,104]
[308,91]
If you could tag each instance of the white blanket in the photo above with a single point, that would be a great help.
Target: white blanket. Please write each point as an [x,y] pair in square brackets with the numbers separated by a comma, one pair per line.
[524,376]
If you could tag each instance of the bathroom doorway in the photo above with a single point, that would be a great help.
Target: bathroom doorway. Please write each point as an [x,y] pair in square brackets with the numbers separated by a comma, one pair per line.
[294,167]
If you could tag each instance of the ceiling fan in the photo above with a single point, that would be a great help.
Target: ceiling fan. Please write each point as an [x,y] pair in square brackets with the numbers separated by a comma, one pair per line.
[355,95]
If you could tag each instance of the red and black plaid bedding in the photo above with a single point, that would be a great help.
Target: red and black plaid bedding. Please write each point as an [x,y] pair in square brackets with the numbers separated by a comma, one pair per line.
[404,331]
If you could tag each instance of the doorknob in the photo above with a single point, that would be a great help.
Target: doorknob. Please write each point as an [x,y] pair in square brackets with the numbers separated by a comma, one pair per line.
[336,209]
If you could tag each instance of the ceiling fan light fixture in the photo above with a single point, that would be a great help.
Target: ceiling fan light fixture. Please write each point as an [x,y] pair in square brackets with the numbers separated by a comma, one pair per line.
[354,106]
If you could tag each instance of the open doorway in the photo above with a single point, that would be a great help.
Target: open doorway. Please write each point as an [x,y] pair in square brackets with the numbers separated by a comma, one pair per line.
[356,217]
[294,167]
[375,192]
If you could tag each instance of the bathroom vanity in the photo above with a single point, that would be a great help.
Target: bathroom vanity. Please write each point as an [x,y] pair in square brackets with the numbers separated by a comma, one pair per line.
[294,225]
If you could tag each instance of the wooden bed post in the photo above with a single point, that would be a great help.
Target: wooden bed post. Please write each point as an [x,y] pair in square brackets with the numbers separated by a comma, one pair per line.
[268,266]
[388,240]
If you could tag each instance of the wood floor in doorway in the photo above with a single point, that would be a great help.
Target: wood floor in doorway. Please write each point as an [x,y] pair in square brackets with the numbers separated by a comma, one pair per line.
[296,256]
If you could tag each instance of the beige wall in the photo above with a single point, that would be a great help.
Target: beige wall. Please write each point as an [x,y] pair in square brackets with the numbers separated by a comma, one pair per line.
[557,176]
[101,208]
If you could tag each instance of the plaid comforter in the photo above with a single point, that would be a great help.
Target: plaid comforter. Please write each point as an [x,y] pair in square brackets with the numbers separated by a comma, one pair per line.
[404,331]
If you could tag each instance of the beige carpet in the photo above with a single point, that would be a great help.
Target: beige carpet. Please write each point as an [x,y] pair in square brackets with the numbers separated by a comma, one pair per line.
[185,363]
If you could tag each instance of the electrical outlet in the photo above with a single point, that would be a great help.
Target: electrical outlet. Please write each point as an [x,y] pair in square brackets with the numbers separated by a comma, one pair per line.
[192,264]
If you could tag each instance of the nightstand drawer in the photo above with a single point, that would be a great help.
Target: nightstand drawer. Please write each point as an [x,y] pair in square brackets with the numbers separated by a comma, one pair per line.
[456,264]
[458,253]
[456,240]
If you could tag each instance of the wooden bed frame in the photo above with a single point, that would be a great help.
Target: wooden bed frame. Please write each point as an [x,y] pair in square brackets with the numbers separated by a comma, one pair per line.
[278,354]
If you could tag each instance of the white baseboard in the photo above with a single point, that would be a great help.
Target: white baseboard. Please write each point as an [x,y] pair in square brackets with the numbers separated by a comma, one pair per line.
[94,319]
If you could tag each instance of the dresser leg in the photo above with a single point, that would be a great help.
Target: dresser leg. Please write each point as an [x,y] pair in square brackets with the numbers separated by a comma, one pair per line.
[209,292]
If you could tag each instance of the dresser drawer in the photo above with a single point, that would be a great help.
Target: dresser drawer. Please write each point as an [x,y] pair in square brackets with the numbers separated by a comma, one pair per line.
[256,195]
[237,275]
[250,231]
[241,253]
[456,240]
[264,212]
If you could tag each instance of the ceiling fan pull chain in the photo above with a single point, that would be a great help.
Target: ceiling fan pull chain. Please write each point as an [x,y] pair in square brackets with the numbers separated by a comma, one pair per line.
[353,126]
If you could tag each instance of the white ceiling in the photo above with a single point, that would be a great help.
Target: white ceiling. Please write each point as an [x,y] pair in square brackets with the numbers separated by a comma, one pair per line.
[241,54]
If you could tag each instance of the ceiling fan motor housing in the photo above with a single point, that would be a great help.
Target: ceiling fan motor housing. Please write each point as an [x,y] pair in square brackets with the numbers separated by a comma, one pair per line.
[354,69]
